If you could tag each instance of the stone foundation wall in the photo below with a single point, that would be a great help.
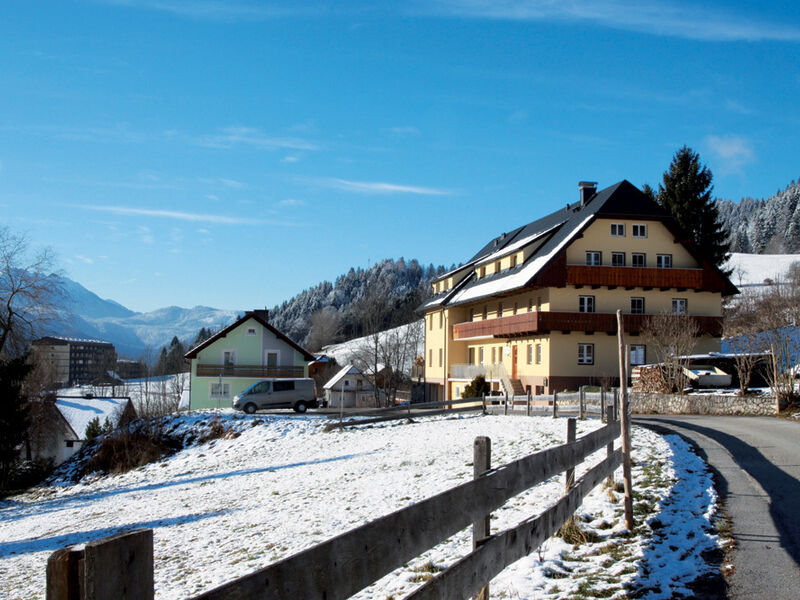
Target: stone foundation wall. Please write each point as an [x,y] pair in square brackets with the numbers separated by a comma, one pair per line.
[701,404]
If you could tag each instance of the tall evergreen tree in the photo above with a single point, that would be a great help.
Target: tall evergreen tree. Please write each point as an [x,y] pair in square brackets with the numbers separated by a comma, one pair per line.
[14,419]
[686,194]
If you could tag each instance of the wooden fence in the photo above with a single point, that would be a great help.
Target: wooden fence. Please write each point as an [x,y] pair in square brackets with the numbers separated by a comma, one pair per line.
[347,563]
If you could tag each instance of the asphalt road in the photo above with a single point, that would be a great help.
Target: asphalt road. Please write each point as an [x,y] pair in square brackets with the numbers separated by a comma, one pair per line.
[758,463]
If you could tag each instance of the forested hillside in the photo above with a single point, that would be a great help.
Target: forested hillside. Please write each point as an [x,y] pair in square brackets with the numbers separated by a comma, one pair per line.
[770,226]
[384,295]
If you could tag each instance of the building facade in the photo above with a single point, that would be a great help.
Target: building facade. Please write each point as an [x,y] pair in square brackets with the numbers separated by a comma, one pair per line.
[76,361]
[240,355]
[534,311]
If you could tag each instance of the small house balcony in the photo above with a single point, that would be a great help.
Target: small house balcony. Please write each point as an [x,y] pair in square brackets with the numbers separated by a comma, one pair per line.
[532,323]
[249,371]
[631,277]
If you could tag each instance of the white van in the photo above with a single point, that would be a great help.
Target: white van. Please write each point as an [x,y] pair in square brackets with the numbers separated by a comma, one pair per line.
[299,394]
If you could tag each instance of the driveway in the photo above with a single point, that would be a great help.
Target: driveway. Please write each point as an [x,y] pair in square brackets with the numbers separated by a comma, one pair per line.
[758,462]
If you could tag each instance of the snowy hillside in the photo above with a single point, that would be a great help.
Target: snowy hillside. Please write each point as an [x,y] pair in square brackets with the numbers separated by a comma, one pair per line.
[344,351]
[753,269]
[278,485]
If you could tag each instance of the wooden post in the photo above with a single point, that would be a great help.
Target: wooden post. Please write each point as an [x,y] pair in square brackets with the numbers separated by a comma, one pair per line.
[570,478]
[64,575]
[626,426]
[505,409]
[528,408]
[120,567]
[482,462]
[610,446]
[555,404]
[616,405]
[483,401]
[581,395]
[602,405]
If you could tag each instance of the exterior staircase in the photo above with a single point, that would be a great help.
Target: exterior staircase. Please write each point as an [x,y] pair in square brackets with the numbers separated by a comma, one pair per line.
[517,387]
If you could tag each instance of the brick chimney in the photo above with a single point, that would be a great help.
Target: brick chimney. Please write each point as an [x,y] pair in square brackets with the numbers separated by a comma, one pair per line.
[587,190]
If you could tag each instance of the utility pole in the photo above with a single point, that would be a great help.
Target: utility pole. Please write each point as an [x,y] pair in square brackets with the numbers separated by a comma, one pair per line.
[626,426]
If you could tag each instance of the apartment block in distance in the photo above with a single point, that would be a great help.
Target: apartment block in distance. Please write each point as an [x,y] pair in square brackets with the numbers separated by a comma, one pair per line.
[76,361]
[534,311]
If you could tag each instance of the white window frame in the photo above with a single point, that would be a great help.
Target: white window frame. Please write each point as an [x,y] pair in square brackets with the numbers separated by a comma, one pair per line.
[638,354]
[226,389]
[585,354]
[231,351]
[618,230]
[618,256]
[530,354]
[633,259]
[633,312]
[664,261]
[538,351]
[586,304]
[642,230]
[251,331]
[267,352]
[480,355]
[591,255]
[680,306]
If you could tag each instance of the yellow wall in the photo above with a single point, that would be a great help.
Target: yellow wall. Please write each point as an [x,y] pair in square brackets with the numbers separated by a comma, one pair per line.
[658,241]
[655,301]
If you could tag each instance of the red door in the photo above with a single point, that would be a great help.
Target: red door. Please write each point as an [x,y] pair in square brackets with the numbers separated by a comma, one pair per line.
[513,362]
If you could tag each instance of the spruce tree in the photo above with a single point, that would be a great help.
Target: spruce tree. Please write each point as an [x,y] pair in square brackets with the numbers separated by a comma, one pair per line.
[14,420]
[686,194]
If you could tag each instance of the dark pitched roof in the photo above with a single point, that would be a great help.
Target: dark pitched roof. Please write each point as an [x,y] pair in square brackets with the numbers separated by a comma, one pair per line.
[623,200]
[258,315]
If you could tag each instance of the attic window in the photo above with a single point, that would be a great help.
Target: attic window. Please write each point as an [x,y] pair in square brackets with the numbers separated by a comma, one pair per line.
[513,261]
[251,331]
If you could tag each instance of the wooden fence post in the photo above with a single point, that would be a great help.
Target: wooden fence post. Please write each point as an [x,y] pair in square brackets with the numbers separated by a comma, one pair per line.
[581,396]
[482,462]
[505,409]
[616,405]
[602,405]
[483,400]
[116,567]
[570,476]
[528,407]
[64,575]
[610,446]
[555,404]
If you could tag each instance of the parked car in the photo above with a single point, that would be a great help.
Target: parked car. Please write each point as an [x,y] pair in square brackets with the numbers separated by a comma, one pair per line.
[299,394]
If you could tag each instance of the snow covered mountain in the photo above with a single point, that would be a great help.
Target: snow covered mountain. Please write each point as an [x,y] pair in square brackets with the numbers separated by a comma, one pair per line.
[87,315]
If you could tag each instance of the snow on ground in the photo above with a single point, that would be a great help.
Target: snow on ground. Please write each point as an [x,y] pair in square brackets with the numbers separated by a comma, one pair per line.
[344,351]
[753,269]
[225,508]
[163,390]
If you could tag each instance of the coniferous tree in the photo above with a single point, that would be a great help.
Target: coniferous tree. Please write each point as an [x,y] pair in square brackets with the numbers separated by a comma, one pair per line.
[14,420]
[686,194]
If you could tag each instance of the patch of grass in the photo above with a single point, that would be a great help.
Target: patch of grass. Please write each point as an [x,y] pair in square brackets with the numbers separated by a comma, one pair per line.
[571,533]
[424,572]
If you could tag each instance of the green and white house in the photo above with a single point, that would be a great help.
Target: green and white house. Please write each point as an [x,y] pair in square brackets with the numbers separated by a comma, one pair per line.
[243,353]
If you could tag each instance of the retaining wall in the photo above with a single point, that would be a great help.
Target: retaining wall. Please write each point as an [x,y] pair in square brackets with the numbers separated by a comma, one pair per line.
[701,404]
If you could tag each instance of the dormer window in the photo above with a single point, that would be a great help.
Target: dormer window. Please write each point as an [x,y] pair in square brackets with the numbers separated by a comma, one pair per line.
[618,229]
[513,261]
[497,266]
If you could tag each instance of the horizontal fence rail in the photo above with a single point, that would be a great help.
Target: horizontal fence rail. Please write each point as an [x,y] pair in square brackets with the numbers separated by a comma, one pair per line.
[340,567]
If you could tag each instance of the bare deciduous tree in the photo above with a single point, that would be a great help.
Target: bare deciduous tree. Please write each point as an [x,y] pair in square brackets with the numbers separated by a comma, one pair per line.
[671,337]
[741,329]
[326,326]
[29,292]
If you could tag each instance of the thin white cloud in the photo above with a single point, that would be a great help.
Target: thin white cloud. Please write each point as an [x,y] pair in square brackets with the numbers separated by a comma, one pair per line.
[84,259]
[218,10]
[379,187]
[732,152]
[224,181]
[290,159]
[171,214]
[228,137]
[668,18]
[291,202]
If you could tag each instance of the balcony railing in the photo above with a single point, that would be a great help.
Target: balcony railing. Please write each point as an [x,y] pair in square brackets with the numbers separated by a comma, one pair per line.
[544,322]
[248,371]
[635,277]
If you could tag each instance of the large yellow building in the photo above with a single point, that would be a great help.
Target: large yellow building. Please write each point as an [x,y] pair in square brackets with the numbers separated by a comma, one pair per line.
[535,309]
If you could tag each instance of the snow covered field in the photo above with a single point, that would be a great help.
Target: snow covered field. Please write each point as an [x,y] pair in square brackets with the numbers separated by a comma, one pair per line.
[227,507]
[753,269]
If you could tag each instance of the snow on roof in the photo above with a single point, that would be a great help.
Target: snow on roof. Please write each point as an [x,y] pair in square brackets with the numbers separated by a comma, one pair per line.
[516,245]
[521,277]
[79,411]
[347,370]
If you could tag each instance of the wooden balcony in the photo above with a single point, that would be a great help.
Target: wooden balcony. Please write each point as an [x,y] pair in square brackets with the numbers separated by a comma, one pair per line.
[248,371]
[635,277]
[533,323]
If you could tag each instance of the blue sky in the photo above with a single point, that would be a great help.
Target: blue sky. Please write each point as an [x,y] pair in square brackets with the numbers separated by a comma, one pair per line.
[231,154]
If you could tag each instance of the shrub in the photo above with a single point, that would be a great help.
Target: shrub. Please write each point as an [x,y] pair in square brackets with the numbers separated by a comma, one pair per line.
[476,388]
